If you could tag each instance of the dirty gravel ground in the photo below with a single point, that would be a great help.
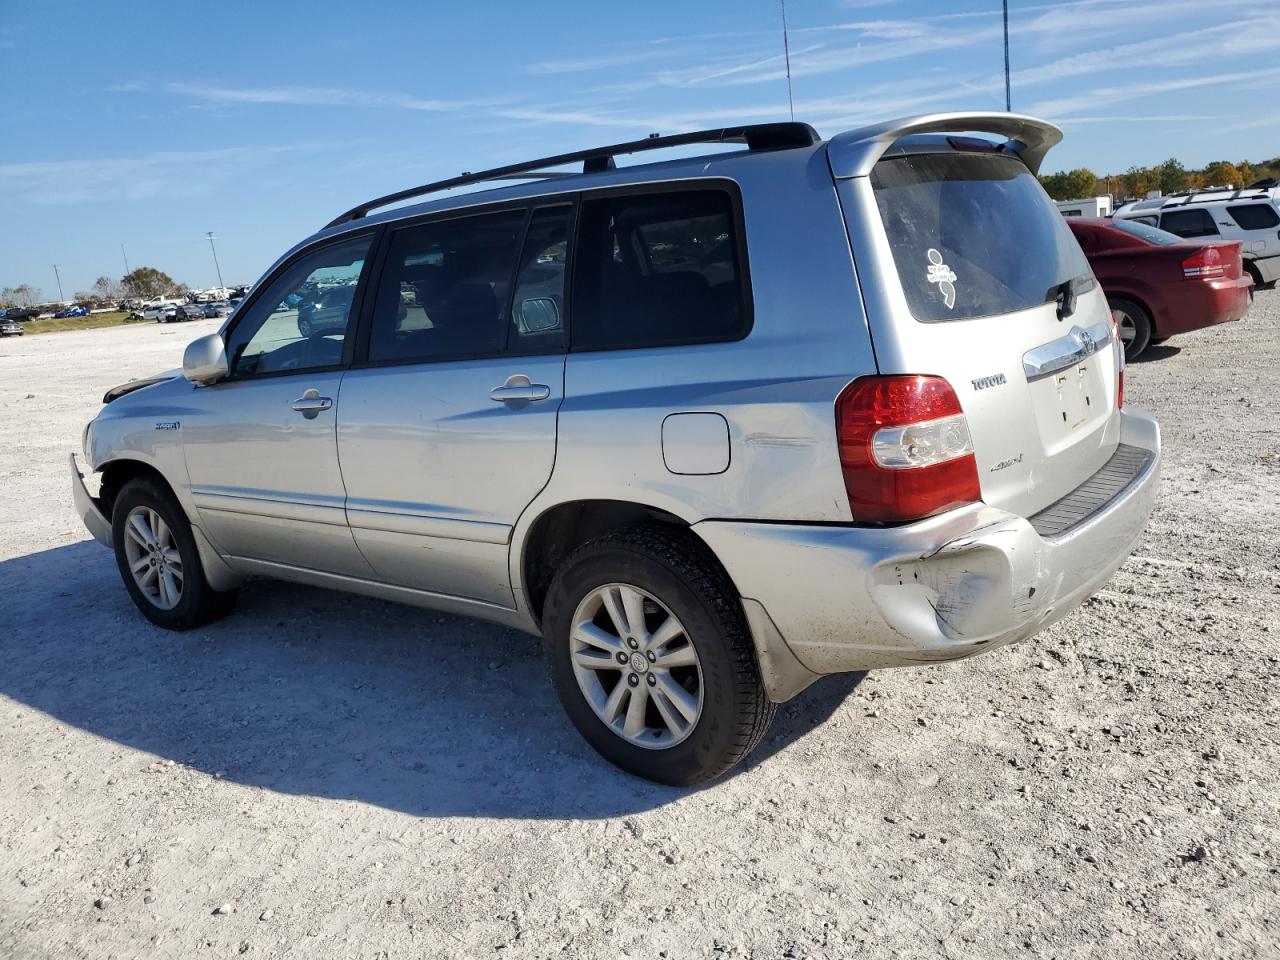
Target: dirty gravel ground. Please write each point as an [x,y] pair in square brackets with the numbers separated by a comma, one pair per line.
[355,779]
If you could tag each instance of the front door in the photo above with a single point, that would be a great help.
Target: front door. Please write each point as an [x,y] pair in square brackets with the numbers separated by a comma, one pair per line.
[261,446]
[449,430]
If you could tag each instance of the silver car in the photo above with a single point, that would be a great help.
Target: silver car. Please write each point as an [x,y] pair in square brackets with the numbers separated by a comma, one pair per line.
[712,427]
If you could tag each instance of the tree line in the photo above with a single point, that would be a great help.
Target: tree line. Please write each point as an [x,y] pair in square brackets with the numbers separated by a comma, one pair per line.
[1168,177]
[140,284]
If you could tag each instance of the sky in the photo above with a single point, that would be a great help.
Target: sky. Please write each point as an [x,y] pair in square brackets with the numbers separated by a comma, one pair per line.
[148,125]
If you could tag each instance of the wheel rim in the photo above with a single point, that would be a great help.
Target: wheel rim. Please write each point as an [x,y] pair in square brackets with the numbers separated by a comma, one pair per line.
[1128,329]
[636,666]
[154,560]
[304,327]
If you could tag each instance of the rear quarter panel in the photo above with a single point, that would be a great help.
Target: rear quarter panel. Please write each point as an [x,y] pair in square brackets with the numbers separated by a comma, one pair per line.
[775,388]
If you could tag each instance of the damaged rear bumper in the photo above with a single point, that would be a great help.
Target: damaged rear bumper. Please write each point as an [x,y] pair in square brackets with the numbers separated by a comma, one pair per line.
[858,598]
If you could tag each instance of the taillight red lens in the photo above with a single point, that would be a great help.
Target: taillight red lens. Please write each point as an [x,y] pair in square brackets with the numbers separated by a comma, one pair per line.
[1115,331]
[1205,264]
[904,448]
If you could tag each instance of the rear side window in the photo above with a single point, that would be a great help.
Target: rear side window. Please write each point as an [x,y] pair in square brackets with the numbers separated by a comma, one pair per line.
[654,269]
[444,288]
[972,235]
[1254,216]
[1189,223]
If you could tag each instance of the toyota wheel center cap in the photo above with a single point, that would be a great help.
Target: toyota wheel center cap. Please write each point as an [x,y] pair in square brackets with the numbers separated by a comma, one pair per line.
[638,663]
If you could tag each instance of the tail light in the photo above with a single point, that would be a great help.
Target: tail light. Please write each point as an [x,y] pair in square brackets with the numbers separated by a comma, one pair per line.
[905,448]
[1205,264]
[1119,362]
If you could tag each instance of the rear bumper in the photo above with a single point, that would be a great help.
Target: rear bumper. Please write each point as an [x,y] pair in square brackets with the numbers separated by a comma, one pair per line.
[1202,304]
[90,512]
[853,598]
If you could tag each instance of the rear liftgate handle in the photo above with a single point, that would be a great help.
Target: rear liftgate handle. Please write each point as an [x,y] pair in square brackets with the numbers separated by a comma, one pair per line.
[519,388]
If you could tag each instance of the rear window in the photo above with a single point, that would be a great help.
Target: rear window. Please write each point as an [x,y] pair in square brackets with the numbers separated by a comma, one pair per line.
[972,235]
[1254,216]
[1161,238]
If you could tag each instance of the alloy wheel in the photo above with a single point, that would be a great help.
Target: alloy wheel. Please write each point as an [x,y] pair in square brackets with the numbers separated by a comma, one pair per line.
[154,560]
[1128,329]
[636,666]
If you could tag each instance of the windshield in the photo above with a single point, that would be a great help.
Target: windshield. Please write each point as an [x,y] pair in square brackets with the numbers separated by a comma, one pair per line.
[972,235]
[1161,238]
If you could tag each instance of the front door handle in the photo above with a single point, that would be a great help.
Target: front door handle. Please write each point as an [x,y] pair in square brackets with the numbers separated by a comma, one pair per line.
[519,387]
[311,403]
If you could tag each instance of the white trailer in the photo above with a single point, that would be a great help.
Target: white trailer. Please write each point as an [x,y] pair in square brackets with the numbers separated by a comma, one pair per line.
[1089,207]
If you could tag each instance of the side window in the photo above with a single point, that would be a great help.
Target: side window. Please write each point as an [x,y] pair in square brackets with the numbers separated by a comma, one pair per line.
[1149,221]
[1189,223]
[658,269]
[537,309]
[301,320]
[1255,216]
[444,289]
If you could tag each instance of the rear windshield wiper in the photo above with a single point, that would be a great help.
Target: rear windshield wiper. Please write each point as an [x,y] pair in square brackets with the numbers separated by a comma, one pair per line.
[1065,293]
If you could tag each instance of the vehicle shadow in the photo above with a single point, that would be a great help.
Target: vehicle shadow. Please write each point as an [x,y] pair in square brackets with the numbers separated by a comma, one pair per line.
[312,692]
[1157,351]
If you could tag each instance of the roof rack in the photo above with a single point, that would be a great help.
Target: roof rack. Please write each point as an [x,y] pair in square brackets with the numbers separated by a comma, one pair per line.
[758,136]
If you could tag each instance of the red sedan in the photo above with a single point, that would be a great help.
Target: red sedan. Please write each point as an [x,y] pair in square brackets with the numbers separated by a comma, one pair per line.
[1159,284]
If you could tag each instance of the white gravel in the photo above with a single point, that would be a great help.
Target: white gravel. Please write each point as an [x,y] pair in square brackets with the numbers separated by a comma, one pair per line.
[326,776]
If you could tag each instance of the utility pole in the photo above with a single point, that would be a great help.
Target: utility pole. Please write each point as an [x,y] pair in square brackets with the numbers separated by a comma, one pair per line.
[1008,97]
[786,52]
[59,277]
[127,271]
[221,287]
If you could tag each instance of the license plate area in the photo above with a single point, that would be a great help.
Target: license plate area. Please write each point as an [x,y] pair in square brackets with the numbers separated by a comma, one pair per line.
[1074,397]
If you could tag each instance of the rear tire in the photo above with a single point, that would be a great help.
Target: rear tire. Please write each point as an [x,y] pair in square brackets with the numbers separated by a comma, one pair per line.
[158,560]
[697,717]
[1135,325]
[304,327]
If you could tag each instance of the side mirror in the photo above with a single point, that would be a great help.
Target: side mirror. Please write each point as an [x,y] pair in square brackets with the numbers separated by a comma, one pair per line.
[205,361]
[537,315]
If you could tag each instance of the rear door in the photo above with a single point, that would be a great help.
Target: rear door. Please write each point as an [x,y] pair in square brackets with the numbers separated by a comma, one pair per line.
[981,282]
[448,430]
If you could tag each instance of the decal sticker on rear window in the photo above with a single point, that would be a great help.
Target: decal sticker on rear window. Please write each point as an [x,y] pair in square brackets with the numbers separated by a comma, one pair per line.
[943,276]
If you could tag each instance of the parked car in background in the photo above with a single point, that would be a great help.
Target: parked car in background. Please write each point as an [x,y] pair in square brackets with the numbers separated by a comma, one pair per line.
[1250,216]
[1158,284]
[217,308]
[75,311]
[741,466]
[10,328]
[159,312]
[20,313]
[188,311]
[324,311]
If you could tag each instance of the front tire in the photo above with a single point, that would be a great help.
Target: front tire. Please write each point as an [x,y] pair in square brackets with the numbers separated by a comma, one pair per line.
[304,327]
[1135,325]
[158,560]
[650,655]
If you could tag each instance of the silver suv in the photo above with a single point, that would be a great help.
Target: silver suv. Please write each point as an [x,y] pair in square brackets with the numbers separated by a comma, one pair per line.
[712,427]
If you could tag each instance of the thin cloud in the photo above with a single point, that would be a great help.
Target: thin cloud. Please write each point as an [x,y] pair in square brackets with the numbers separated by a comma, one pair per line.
[1101,96]
[602,62]
[173,173]
[316,97]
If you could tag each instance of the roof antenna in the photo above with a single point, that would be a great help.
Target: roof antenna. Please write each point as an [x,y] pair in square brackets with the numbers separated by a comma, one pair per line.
[1008,98]
[786,52]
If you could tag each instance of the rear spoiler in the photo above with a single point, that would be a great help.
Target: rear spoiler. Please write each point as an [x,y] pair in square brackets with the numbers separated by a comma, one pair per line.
[855,152]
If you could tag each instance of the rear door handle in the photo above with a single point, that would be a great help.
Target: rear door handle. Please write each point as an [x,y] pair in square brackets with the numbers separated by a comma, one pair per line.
[311,403]
[519,387]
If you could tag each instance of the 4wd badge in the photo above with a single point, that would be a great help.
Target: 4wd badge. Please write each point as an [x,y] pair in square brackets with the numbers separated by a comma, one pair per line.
[943,276]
